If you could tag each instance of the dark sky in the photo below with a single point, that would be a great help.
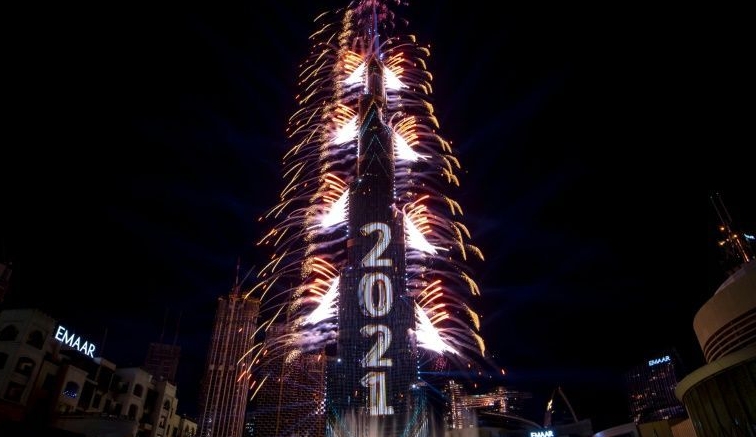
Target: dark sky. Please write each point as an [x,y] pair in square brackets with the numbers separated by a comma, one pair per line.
[144,142]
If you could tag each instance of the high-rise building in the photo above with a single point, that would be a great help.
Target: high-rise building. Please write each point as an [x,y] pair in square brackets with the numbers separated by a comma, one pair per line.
[651,388]
[370,250]
[226,383]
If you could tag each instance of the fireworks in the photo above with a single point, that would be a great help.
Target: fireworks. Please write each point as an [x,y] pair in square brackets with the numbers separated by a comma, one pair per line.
[308,236]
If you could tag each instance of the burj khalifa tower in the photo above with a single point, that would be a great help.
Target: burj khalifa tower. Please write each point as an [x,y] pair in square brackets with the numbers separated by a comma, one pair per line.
[371,253]
[373,383]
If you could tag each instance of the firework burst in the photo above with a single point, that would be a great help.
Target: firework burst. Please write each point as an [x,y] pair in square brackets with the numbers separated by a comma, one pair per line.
[308,236]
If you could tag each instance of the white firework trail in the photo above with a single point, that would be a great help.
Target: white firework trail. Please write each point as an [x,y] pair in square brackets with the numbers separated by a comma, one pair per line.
[307,235]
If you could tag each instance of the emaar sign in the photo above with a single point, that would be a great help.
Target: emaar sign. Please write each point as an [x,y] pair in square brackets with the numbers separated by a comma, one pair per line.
[664,359]
[68,338]
[545,433]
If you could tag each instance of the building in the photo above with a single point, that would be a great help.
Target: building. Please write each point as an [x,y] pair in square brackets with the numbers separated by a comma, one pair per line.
[162,358]
[291,397]
[368,244]
[651,388]
[52,382]
[720,396]
[375,368]
[226,382]
[469,410]
[162,361]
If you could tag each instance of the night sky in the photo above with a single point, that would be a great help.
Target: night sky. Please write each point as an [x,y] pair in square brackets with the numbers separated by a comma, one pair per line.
[143,143]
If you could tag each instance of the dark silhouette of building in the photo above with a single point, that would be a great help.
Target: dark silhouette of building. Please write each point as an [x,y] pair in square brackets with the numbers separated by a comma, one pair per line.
[5,274]
[162,359]
[226,383]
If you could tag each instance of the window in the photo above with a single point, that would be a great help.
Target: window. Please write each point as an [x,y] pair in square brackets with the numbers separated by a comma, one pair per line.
[132,412]
[14,391]
[3,359]
[25,366]
[138,390]
[36,339]
[71,390]
[9,333]
[49,382]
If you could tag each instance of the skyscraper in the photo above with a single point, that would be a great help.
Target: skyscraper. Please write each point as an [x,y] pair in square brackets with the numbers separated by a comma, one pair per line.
[371,257]
[651,388]
[225,386]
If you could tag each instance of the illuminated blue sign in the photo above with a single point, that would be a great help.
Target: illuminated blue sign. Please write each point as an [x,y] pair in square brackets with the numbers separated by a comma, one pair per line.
[74,341]
[664,359]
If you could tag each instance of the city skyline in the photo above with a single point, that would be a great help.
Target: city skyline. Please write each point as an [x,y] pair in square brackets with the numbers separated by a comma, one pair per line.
[167,150]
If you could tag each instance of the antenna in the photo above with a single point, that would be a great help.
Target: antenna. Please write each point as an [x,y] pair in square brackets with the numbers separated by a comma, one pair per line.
[733,242]
[376,44]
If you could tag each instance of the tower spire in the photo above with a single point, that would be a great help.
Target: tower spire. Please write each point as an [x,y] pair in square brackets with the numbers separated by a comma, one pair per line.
[236,279]
[376,42]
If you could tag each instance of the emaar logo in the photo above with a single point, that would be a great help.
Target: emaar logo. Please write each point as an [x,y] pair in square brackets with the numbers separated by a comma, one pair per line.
[548,433]
[66,337]
[664,359]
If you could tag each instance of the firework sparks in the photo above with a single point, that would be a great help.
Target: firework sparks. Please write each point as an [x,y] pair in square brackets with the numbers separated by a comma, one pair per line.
[309,237]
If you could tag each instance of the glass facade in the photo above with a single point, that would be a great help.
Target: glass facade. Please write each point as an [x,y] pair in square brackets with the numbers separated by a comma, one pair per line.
[374,375]
[725,404]
[651,389]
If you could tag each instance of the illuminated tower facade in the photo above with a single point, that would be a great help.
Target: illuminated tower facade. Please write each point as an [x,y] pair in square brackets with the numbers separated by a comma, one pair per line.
[375,371]
[289,393]
[370,265]
[651,389]
[226,383]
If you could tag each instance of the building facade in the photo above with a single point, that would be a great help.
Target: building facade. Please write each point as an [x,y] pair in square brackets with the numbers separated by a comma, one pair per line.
[465,410]
[651,388]
[720,396]
[291,397]
[227,379]
[162,361]
[51,379]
